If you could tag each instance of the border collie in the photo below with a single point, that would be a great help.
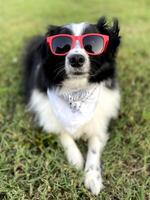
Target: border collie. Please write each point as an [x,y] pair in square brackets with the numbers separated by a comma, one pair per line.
[71,88]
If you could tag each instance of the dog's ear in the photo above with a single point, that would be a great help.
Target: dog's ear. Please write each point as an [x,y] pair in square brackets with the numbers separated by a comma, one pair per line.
[38,44]
[52,29]
[112,31]
[102,25]
[107,29]
[115,27]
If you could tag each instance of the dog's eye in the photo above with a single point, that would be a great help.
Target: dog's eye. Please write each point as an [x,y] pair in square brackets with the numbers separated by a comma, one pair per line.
[61,44]
[93,43]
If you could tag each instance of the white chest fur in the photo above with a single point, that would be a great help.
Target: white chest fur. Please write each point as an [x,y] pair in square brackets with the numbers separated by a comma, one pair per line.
[107,105]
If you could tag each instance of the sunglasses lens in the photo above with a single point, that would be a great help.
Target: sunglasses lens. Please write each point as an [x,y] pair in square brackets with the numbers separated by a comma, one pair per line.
[61,44]
[93,44]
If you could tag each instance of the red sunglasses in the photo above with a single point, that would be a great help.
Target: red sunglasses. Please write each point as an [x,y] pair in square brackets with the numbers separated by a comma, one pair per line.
[93,43]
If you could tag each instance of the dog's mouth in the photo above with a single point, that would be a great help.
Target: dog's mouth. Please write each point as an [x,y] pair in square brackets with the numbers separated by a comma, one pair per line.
[78,74]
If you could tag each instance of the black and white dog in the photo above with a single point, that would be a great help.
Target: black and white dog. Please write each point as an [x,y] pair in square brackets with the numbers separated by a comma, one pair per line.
[71,87]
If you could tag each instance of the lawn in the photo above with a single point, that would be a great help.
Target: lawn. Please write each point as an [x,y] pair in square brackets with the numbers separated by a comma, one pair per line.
[32,163]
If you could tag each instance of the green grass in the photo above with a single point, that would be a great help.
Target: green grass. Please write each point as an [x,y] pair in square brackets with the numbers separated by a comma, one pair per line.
[32,163]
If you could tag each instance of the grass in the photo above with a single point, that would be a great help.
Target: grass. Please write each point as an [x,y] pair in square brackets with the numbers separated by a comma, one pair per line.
[32,163]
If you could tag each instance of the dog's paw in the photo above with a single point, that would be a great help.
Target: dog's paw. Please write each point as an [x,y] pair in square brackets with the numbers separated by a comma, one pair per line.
[93,181]
[75,158]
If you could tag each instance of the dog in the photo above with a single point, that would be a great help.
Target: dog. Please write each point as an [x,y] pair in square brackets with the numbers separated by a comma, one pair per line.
[72,90]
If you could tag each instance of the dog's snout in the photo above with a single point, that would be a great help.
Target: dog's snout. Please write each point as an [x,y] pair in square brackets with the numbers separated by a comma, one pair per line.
[76,60]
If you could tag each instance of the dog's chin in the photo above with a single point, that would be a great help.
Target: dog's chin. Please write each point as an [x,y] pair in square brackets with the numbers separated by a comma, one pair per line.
[77,75]
[76,80]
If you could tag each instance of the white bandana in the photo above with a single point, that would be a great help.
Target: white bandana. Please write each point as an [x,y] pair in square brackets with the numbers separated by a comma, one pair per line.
[73,108]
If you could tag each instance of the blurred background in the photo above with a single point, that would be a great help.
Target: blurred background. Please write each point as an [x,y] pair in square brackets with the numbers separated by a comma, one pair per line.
[32,164]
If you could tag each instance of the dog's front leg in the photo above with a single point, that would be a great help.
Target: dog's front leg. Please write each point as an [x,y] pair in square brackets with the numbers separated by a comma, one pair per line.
[93,178]
[72,152]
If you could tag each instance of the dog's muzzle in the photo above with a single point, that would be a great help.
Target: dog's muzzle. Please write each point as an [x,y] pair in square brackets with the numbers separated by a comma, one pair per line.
[76,60]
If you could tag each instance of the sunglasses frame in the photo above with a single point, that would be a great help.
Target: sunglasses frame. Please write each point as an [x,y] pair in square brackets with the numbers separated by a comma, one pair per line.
[80,39]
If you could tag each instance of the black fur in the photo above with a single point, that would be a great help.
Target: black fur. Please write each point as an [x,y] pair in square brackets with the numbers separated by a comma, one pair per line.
[104,65]
[41,66]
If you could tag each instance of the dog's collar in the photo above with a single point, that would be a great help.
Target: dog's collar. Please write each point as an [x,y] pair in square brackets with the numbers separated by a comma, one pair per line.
[73,108]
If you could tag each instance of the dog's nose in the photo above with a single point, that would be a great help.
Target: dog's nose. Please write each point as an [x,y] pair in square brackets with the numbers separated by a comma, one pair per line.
[76,60]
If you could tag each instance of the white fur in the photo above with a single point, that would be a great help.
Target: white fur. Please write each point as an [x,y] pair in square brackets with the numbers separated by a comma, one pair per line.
[73,154]
[77,29]
[107,108]
[95,131]
[93,180]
